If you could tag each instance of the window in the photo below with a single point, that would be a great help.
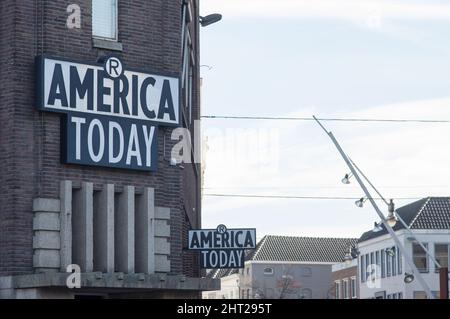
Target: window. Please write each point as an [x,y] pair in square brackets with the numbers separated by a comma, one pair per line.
[268,271]
[306,293]
[306,272]
[400,295]
[104,19]
[420,257]
[337,289]
[345,289]
[362,269]
[377,260]
[383,264]
[231,294]
[420,295]
[353,287]
[367,267]
[248,270]
[188,64]
[388,264]
[372,259]
[399,261]
[248,293]
[441,254]
[394,262]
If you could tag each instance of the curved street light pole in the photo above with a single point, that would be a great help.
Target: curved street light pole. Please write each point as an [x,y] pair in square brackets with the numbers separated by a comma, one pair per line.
[380,214]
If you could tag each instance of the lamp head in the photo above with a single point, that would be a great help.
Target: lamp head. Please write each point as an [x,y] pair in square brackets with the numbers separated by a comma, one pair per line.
[377,227]
[391,219]
[210,19]
[360,202]
[346,179]
[409,278]
[390,251]
[348,258]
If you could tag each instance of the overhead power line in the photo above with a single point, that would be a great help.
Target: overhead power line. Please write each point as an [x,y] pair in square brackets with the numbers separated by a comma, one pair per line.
[300,197]
[271,118]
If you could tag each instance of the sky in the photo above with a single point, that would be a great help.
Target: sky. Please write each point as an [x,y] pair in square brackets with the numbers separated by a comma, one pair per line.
[333,59]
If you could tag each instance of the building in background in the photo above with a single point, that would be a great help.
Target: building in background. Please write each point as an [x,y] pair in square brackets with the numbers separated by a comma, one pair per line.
[284,267]
[125,228]
[344,279]
[382,267]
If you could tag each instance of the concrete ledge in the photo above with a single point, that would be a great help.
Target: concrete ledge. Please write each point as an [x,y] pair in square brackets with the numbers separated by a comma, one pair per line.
[162,213]
[107,44]
[162,229]
[111,281]
[46,258]
[44,239]
[46,205]
[162,264]
[162,246]
[46,221]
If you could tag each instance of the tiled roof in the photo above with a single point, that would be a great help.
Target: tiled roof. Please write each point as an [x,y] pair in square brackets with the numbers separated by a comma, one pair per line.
[219,273]
[427,213]
[303,249]
[300,249]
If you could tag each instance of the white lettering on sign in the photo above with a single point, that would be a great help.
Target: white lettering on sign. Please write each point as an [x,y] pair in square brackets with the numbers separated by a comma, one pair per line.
[140,138]
[230,239]
[108,90]
[222,258]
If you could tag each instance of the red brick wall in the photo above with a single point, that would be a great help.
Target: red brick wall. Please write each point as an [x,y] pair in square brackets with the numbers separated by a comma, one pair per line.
[344,274]
[150,32]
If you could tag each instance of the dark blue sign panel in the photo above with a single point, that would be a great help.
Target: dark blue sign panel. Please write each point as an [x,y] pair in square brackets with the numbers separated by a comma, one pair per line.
[107,141]
[222,247]
[110,113]
[224,258]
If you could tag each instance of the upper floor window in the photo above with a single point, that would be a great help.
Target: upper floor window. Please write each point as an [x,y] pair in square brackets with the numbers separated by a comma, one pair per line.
[420,257]
[104,19]
[187,76]
[268,271]
[362,269]
[306,272]
[441,254]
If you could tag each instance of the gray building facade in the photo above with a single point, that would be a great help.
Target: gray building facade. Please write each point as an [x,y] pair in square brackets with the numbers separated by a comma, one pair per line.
[284,267]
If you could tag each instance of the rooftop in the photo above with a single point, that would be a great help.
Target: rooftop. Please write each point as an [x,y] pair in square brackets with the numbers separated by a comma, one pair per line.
[294,249]
[426,213]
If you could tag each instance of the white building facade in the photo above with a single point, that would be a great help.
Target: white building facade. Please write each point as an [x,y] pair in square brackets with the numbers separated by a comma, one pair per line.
[382,267]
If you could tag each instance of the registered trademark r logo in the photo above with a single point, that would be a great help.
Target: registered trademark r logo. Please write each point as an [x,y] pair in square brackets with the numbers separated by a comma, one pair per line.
[113,67]
[221,229]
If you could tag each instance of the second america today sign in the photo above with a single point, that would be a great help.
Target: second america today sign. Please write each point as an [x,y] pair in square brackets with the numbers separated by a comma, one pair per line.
[222,247]
[111,115]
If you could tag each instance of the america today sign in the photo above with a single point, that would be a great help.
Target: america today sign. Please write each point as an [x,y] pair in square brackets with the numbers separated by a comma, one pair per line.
[110,114]
[222,247]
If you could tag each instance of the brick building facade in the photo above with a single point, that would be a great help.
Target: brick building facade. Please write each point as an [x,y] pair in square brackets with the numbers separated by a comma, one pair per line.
[37,190]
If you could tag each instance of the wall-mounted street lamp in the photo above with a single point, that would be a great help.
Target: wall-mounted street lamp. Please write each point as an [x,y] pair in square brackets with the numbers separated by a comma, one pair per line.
[210,19]
[409,278]
[390,251]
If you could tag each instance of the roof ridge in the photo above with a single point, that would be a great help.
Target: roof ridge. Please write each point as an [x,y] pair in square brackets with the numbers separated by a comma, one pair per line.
[310,237]
[420,212]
